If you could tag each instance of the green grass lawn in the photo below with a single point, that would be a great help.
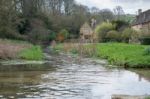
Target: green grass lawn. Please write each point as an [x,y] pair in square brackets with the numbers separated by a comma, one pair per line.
[127,55]
[33,53]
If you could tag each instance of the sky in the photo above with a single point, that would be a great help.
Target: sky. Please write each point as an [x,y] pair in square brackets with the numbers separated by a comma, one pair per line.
[129,6]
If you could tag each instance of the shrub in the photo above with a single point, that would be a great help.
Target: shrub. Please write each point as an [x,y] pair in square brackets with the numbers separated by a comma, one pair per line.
[7,32]
[103,29]
[145,37]
[113,35]
[62,35]
[127,33]
[147,51]
[145,41]
[52,35]
[120,25]
[38,35]
[144,33]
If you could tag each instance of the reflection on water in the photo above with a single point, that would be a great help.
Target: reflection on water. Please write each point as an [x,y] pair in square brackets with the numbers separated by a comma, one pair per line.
[71,80]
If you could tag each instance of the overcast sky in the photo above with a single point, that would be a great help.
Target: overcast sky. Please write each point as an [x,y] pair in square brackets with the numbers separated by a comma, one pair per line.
[129,6]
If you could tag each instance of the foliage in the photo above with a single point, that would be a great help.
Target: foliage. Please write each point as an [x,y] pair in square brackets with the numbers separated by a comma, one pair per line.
[120,25]
[147,51]
[9,33]
[62,35]
[144,33]
[113,35]
[145,41]
[145,36]
[65,33]
[39,33]
[127,33]
[103,29]
[33,53]
[52,35]
[16,18]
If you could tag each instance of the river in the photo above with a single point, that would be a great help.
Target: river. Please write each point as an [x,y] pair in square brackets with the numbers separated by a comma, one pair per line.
[66,77]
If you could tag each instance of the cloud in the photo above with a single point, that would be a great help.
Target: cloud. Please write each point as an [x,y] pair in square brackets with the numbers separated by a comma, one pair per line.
[129,6]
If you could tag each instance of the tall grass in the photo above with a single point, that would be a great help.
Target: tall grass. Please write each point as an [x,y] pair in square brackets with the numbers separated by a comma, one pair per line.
[78,48]
[33,53]
[10,48]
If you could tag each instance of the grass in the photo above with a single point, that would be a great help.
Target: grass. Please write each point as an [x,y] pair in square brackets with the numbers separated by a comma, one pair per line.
[33,53]
[120,54]
[127,55]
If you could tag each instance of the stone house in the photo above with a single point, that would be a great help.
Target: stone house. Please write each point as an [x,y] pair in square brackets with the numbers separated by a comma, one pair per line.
[87,33]
[142,21]
[142,24]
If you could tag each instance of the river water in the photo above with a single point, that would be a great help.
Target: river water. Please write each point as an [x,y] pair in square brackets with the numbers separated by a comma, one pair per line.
[66,77]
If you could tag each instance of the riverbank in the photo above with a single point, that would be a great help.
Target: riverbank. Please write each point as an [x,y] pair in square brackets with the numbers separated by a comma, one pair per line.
[68,77]
[13,49]
[120,54]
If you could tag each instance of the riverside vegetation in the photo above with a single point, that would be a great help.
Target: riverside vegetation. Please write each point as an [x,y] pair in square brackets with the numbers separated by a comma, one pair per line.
[120,54]
[14,49]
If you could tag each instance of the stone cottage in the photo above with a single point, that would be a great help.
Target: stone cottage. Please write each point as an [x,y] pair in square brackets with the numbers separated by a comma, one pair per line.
[87,33]
[142,21]
[142,24]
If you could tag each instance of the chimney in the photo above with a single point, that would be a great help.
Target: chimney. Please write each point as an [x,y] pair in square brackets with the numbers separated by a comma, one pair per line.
[139,11]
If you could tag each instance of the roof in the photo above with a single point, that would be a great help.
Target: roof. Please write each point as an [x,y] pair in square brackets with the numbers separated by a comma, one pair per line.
[86,29]
[144,17]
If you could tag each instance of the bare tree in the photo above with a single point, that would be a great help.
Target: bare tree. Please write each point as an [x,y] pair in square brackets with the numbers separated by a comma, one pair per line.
[118,12]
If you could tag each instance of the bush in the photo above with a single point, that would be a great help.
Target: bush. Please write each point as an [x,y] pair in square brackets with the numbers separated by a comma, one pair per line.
[147,51]
[52,35]
[145,37]
[7,32]
[120,25]
[62,35]
[145,41]
[103,29]
[38,33]
[113,35]
[127,33]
